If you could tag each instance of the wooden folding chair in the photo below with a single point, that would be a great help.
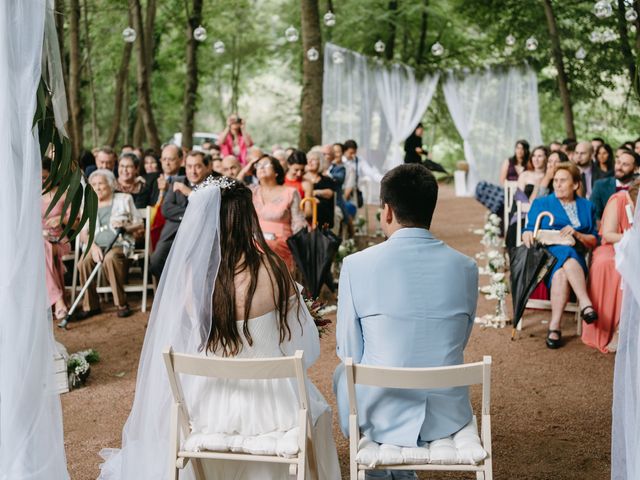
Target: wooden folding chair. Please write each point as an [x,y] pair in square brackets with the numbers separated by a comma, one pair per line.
[420,378]
[237,369]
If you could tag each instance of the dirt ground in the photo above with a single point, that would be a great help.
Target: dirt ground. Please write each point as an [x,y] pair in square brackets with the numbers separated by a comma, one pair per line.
[551,410]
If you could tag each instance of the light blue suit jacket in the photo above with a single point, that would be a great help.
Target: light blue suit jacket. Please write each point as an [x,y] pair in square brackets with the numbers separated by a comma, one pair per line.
[407,302]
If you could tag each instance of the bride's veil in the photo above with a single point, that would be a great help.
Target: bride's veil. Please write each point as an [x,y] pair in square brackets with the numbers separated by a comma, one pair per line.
[625,444]
[181,318]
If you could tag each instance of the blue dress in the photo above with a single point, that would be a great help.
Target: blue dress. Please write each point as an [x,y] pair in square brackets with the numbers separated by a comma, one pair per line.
[586,217]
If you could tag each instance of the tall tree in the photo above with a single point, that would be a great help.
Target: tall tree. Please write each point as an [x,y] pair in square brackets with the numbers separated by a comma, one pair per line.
[119,96]
[312,71]
[143,77]
[391,39]
[75,66]
[563,82]
[194,19]
[423,33]
[92,90]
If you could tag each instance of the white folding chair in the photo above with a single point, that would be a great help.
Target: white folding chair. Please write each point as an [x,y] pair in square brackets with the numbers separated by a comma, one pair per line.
[145,254]
[237,369]
[510,188]
[536,303]
[420,378]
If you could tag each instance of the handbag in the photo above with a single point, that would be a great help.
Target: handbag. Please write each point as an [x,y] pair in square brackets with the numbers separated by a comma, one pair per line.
[359,196]
[554,237]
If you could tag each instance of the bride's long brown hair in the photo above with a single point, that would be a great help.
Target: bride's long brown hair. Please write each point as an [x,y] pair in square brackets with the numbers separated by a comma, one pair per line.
[243,248]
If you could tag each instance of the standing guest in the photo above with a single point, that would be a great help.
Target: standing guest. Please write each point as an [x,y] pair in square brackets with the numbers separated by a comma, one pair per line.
[323,189]
[604,162]
[408,302]
[574,218]
[115,210]
[514,166]
[105,160]
[130,182]
[234,140]
[583,158]
[171,161]
[413,146]
[555,146]
[151,163]
[604,279]
[174,206]
[624,170]
[338,173]
[54,247]
[230,166]
[277,206]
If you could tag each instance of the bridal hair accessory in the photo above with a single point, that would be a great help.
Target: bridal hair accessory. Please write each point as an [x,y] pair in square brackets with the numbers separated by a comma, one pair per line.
[221,182]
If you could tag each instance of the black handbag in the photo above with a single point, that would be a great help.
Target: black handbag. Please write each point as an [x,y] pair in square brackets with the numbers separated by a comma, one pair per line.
[359,196]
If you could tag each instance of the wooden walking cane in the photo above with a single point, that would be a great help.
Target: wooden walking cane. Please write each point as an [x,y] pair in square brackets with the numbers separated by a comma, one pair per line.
[314,203]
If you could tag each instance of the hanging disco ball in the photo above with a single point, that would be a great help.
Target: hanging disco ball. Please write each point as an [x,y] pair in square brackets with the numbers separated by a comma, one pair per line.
[291,34]
[581,53]
[379,46]
[313,54]
[200,34]
[531,44]
[602,9]
[437,49]
[337,58]
[218,47]
[129,35]
[510,40]
[631,15]
[329,19]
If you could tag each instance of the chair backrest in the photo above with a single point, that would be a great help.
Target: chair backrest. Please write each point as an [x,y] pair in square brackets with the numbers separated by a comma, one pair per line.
[510,188]
[420,378]
[521,208]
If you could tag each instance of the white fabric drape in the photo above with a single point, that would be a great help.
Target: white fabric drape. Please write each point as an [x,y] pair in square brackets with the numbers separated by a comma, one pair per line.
[31,440]
[376,106]
[625,438]
[492,109]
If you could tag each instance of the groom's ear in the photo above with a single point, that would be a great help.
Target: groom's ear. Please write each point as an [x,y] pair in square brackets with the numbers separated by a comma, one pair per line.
[388,214]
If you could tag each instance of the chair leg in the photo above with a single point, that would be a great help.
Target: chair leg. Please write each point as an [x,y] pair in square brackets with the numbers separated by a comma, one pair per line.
[479,475]
[301,470]
[197,468]
[578,324]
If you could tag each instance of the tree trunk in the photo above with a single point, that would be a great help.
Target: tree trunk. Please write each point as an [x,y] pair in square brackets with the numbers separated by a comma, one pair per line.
[92,90]
[423,34]
[59,18]
[191,83]
[235,76]
[75,105]
[311,96]
[149,39]
[120,104]
[625,46]
[144,83]
[563,83]
[391,39]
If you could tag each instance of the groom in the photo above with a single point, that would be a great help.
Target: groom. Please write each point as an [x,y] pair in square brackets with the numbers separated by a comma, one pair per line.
[408,302]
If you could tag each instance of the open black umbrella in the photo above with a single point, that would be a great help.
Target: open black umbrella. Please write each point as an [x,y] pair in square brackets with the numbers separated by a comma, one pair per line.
[313,251]
[528,267]
[433,166]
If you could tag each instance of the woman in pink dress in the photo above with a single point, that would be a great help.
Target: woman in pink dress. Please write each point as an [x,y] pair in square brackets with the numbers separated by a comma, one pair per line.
[234,140]
[277,206]
[604,279]
[54,250]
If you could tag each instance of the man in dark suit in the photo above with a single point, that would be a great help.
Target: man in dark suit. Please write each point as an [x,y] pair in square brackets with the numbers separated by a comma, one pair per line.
[626,166]
[175,204]
[583,158]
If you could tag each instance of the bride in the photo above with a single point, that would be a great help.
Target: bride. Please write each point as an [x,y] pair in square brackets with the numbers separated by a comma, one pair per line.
[223,292]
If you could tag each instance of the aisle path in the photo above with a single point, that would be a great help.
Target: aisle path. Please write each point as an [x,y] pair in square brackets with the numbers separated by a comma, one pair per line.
[551,409]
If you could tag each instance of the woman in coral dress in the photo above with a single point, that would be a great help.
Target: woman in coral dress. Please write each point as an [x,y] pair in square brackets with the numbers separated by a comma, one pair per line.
[604,279]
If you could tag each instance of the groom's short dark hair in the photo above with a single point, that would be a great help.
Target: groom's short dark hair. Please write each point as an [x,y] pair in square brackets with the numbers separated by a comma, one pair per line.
[411,191]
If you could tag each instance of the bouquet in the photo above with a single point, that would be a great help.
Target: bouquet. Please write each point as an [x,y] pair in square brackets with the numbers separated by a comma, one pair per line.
[318,309]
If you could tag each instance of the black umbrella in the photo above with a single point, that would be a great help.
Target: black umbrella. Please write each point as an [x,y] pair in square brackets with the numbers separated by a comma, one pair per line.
[313,251]
[528,267]
[433,166]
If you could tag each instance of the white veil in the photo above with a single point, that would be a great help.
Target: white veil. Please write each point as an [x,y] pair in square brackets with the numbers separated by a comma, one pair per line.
[31,440]
[182,300]
[625,438]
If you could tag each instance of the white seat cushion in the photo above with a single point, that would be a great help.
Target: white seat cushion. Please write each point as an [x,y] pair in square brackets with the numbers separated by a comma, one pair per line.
[462,448]
[282,444]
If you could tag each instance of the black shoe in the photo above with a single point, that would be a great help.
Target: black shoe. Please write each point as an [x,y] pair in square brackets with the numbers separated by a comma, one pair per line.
[589,316]
[552,342]
[124,311]
[83,315]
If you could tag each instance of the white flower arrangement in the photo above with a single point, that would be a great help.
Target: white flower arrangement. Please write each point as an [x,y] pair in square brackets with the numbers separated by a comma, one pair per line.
[497,263]
[79,366]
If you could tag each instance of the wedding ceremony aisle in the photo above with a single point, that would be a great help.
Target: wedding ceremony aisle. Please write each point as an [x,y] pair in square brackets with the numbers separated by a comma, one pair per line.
[551,410]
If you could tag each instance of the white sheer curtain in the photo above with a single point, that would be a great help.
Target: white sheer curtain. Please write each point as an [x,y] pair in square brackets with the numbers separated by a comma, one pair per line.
[625,438]
[374,105]
[31,441]
[492,109]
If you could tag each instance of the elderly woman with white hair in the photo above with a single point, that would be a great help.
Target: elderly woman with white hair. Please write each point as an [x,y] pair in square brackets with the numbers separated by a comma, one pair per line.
[115,210]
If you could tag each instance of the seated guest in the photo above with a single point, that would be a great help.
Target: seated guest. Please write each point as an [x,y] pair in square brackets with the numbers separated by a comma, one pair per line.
[280,155]
[230,166]
[151,163]
[604,162]
[174,206]
[604,279]
[596,142]
[327,158]
[625,168]
[636,146]
[569,147]
[87,159]
[130,182]
[545,187]
[323,189]
[54,248]
[294,177]
[409,302]
[574,218]
[583,159]
[105,159]
[277,206]
[171,162]
[216,165]
[115,210]
[126,148]
[555,146]
[514,166]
